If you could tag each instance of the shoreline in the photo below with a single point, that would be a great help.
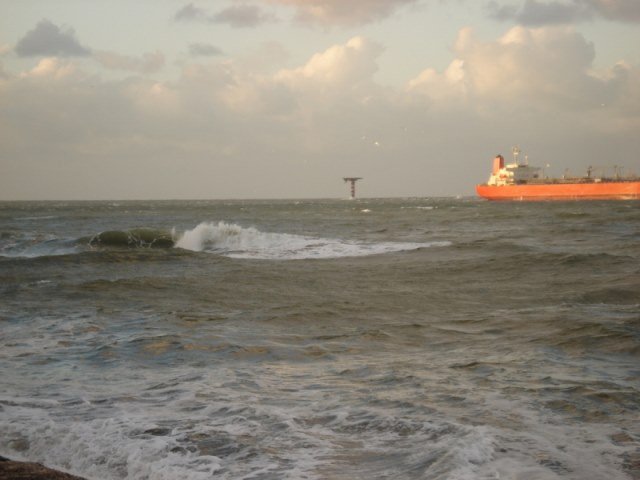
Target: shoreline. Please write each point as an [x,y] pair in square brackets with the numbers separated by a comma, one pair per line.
[16,470]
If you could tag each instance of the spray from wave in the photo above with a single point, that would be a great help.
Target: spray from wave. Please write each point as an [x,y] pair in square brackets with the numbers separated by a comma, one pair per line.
[241,242]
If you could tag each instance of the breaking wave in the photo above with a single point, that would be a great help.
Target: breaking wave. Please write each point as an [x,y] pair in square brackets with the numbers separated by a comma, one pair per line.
[227,239]
[247,242]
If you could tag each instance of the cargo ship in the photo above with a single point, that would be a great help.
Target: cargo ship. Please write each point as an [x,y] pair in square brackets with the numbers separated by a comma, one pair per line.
[521,181]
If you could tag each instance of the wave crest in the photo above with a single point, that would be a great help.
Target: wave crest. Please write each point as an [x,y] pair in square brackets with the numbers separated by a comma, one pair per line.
[247,242]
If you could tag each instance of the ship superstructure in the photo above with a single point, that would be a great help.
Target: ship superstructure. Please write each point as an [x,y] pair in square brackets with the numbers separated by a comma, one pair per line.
[513,173]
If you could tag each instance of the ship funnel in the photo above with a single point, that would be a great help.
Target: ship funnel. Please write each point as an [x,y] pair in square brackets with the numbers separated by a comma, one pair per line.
[498,163]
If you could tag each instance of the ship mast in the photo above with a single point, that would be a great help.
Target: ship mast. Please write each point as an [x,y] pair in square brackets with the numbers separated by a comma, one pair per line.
[516,151]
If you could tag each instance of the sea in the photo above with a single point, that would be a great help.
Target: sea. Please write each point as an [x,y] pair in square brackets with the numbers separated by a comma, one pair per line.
[404,338]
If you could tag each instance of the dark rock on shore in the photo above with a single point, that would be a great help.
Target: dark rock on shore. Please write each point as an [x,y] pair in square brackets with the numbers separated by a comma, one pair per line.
[11,470]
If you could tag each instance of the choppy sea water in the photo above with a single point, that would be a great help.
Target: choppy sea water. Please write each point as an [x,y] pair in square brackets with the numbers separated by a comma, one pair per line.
[389,339]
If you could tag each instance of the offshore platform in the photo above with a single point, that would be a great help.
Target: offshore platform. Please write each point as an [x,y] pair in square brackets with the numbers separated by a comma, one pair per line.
[353,181]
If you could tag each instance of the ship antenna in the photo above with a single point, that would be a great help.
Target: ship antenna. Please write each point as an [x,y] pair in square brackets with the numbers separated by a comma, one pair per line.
[516,151]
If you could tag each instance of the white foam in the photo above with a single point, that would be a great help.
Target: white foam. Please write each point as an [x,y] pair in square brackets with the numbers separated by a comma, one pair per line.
[100,448]
[299,439]
[247,242]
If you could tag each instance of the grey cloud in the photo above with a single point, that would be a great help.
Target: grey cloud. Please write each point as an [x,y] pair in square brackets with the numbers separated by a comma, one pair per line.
[242,16]
[619,10]
[309,12]
[538,13]
[502,12]
[190,13]
[49,39]
[238,16]
[340,12]
[203,50]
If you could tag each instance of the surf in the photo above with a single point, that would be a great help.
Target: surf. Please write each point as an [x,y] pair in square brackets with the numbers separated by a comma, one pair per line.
[235,241]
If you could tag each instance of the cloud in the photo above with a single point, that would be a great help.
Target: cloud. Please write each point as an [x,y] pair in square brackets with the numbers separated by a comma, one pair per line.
[349,64]
[190,13]
[623,89]
[533,76]
[147,63]
[237,16]
[535,12]
[242,16]
[203,50]
[47,39]
[548,67]
[308,12]
[340,12]
[539,13]
[619,10]
[52,68]
[222,130]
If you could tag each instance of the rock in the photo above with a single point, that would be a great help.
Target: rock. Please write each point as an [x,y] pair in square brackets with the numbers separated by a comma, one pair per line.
[11,470]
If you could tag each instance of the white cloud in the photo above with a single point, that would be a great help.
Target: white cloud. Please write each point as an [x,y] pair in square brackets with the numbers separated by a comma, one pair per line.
[548,67]
[52,68]
[341,65]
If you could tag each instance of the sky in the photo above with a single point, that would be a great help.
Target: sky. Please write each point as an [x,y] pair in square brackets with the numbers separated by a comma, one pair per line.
[226,99]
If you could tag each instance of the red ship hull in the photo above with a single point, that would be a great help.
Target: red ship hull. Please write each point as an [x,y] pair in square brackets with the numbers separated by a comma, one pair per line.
[606,190]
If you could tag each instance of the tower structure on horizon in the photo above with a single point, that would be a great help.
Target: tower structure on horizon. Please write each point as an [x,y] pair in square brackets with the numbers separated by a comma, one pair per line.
[353,181]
